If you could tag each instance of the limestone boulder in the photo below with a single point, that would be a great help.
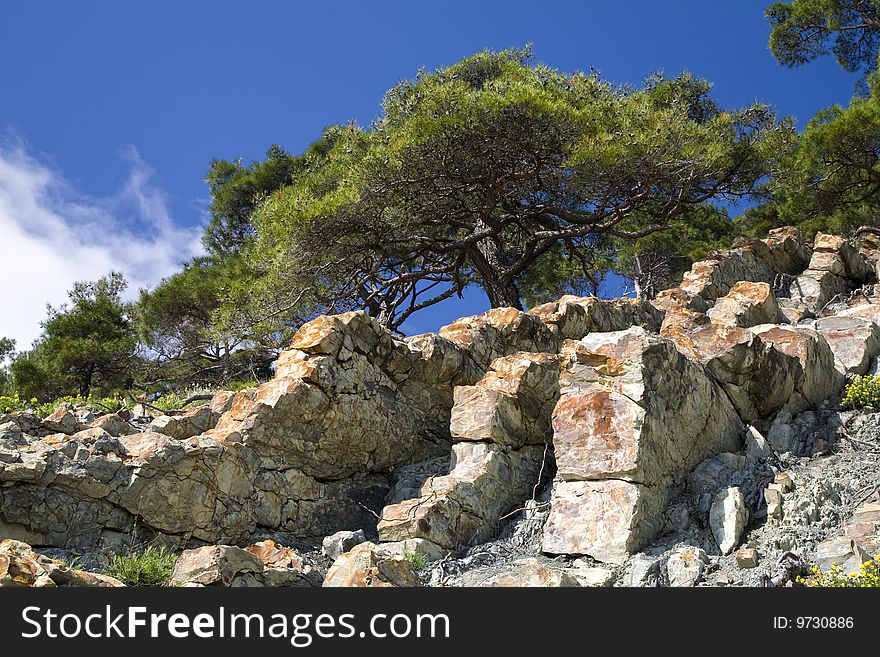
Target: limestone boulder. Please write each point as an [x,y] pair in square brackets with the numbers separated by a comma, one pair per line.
[746,304]
[191,423]
[500,332]
[676,297]
[571,317]
[342,541]
[606,520]
[843,551]
[838,253]
[817,379]
[214,565]
[758,378]
[370,565]
[511,404]
[632,407]
[62,420]
[114,425]
[815,288]
[749,260]
[464,507]
[854,341]
[685,566]
[728,517]
[634,416]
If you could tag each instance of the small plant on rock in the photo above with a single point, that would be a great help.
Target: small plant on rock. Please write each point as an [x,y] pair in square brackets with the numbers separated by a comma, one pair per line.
[867,577]
[152,567]
[862,391]
[418,561]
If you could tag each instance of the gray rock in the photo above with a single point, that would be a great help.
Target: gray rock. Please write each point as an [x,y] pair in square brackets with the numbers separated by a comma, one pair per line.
[727,518]
[685,566]
[342,541]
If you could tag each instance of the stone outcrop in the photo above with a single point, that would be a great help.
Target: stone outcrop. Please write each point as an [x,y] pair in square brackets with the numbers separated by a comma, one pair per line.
[432,443]
[20,566]
[782,252]
[634,415]
[502,429]
[261,564]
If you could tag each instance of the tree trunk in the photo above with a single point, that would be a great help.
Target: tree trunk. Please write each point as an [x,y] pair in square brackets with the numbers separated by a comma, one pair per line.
[488,260]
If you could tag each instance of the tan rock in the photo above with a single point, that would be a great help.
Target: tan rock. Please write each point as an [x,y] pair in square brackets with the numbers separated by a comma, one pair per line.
[747,557]
[370,565]
[214,565]
[627,416]
[114,425]
[462,508]
[817,379]
[606,520]
[191,423]
[842,551]
[853,341]
[511,404]
[685,566]
[816,288]
[746,304]
[571,317]
[62,420]
[853,264]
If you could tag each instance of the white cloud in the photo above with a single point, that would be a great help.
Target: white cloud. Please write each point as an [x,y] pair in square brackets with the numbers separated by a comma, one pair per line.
[51,235]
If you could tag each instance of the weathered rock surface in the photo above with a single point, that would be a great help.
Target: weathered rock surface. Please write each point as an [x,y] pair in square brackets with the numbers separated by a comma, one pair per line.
[529,573]
[465,506]
[853,340]
[371,565]
[342,541]
[746,304]
[727,518]
[262,564]
[20,566]
[450,438]
[634,415]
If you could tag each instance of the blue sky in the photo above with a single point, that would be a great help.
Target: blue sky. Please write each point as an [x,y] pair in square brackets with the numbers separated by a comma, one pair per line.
[111,111]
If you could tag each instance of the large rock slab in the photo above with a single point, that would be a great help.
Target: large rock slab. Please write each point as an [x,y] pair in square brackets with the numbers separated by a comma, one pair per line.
[815,288]
[728,517]
[511,404]
[750,260]
[571,317]
[606,520]
[758,378]
[853,340]
[465,507]
[746,304]
[842,257]
[634,416]
[500,332]
[818,379]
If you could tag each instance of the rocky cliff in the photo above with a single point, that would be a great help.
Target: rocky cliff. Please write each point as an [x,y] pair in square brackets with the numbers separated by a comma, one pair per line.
[584,442]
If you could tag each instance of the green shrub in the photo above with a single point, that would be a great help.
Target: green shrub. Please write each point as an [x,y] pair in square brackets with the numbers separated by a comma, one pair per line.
[152,567]
[418,561]
[862,391]
[110,404]
[11,403]
[867,577]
